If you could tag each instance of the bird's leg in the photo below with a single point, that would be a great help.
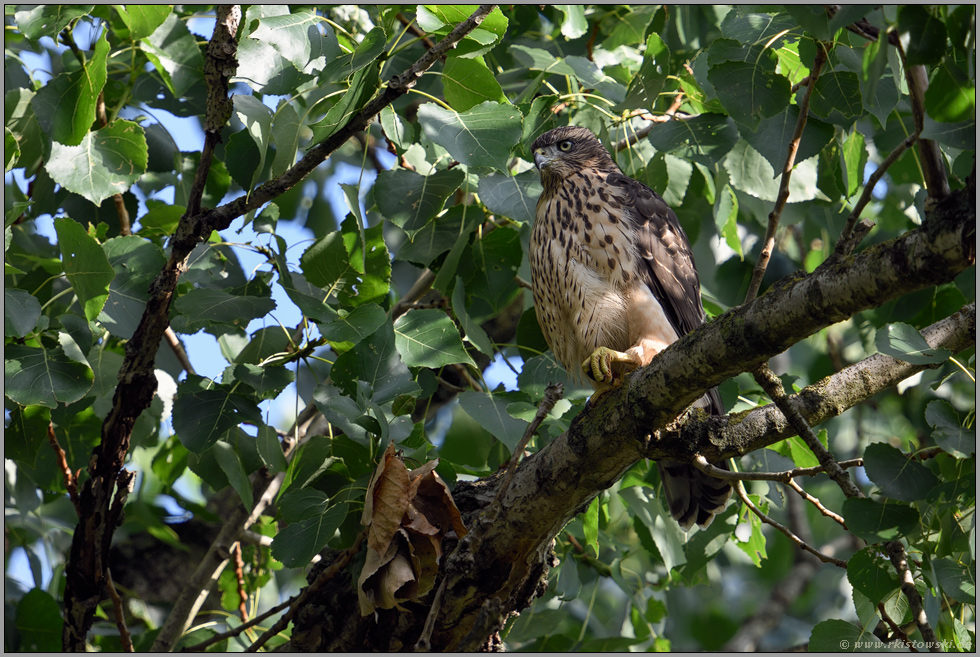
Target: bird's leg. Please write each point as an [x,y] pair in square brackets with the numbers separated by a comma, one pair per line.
[607,367]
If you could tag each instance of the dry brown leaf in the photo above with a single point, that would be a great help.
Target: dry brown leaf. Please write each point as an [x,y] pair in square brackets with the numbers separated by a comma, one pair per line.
[383,575]
[435,502]
[408,513]
[386,501]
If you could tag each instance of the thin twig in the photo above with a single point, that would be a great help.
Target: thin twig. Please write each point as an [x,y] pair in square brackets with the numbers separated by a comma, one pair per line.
[236,554]
[817,503]
[325,576]
[117,605]
[178,350]
[896,554]
[70,480]
[783,196]
[424,644]
[933,166]
[785,476]
[217,638]
[847,240]
[552,394]
[896,631]
[740,491]
[671,112]
[774,388]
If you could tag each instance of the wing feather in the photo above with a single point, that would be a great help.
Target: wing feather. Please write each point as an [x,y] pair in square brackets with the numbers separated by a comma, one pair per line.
[670,272]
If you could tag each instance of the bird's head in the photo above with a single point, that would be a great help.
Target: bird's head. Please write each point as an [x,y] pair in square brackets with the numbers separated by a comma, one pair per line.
[563,151]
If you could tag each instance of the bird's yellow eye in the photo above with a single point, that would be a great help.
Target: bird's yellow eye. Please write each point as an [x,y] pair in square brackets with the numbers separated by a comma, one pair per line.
[565,145]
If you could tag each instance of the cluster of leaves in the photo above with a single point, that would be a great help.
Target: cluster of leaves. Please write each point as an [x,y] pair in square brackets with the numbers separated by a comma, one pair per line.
[87,144]
[408,513]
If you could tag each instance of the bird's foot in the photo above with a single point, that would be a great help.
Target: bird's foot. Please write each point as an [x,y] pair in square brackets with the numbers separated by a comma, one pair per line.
[607,367]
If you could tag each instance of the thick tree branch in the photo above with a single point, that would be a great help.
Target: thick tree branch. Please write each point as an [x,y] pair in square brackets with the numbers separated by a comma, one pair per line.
[602,443]
[103,496]
[828,398]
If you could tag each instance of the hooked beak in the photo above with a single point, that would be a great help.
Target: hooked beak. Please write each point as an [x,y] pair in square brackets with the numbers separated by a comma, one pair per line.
[541,158]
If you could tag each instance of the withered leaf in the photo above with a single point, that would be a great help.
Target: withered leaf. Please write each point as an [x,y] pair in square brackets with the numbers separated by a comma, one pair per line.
[386,501]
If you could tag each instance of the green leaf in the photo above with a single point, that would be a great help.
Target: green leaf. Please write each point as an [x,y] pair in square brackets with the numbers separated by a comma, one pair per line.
[43,376]
[466,81]
[428,338]
[202,416]
[515,197]
[298,504]
[295,545]
[296,37]
[267,381]
[410,200]
[143,20]
[175,55]
[574,25]
[26,433]
[362,87]
[590,524]
[896,475]
[646,85]
[838,636]
[136,263]
[21,310]
[947,430]
[837,96]
[474,333]
[750,90]
[876,522]
[86,266]
[480,137]
[749,536]
[958,580]
[705,138]
[927,35]
[270,449]
[726,218]
[11,149]
[952,95]
[400,132]
[65,106]
[958,135]
[853,155]
[286,130]
[354,325]
[231,465]
[441,19]
[39,622]
[488,269]
[257,119]
[751,173]
[868,575]
[105,162]
[371,262]
[441,234]
[773,136]
[903,342]
[667,536]
[374,360]
[204,305]
[874,60]
[490,411]
[170,461]
[48,20]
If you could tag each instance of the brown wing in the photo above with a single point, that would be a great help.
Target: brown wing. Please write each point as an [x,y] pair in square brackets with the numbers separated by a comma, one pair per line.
[670,272]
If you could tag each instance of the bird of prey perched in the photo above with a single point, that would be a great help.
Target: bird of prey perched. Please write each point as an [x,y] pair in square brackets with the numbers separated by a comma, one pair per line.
[614,283]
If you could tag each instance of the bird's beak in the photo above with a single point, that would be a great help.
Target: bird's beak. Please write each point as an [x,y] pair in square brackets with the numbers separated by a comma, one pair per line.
[541,158]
